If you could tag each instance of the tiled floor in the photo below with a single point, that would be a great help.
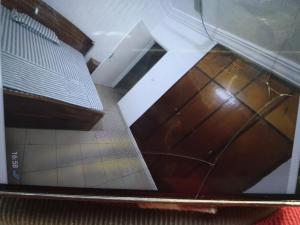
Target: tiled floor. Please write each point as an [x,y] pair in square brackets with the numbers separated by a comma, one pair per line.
[102,158]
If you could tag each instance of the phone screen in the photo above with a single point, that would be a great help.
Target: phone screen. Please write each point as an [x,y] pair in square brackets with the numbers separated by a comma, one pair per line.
[169,98]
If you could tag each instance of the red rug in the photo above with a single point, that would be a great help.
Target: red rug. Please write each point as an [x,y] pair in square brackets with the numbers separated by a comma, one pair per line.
[284,216]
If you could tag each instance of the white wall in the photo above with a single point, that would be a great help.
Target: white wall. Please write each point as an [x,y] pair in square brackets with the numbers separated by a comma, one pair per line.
[187,6]
[275,183]
[185,48]
[105,21]
[131,49]
[271,24]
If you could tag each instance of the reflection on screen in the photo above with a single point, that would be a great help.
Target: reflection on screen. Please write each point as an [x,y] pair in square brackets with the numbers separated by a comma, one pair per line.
[149,103]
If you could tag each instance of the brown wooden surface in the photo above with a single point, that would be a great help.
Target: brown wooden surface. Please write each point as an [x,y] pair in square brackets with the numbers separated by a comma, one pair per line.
[92,65]
[237,75]
[284,116]
[207,140]
[169,104]
[232,125]
[216,61]
[47,16]
[23,110]
[185,173]
[187,119]
[255,154]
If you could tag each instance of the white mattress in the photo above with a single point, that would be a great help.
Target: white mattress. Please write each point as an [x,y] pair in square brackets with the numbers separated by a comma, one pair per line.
[34,65]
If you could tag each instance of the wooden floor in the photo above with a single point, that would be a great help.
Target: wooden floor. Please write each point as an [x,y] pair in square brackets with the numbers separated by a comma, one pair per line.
[220,129]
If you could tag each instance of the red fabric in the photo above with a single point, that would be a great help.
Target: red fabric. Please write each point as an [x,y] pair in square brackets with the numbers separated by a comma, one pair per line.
[284,216]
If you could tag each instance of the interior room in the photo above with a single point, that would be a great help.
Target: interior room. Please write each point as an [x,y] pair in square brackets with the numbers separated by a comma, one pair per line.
[169,97]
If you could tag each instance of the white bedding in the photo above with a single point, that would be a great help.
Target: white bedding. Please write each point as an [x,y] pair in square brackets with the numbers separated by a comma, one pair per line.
[34,65]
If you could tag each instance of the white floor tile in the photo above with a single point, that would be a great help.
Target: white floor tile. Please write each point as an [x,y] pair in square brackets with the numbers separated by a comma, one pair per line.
[94,173]
[67,137]
[104,137]
[40,137]
[41,178]
[112,169]
[39,157]
[107,152]
[89,137]
[68,155]
[130,165]
[137,181]
[124,150]
[15,136]
[97,126]
[114,184]
[102,157]
[90,151]
[71,176]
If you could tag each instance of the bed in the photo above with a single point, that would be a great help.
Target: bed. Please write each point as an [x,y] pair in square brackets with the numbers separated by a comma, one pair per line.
[46,83]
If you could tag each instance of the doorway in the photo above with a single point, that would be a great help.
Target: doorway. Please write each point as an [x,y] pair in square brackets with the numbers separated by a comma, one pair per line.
[153,55]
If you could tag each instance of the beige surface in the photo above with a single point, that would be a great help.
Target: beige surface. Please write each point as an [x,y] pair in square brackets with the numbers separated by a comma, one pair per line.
[102,158]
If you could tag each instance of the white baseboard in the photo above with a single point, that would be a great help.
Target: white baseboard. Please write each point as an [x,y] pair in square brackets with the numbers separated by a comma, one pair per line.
[281,66]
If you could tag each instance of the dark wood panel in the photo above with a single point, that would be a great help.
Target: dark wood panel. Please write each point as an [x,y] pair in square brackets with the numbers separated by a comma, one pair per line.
[37,112]
[205,142]
[276,84]
[259,97]
[208,121]
[284,116]
[236,76]
[257,152]
[216,61]
[92,65]
[176,175]
[169,104]
[186,120]
[64,29]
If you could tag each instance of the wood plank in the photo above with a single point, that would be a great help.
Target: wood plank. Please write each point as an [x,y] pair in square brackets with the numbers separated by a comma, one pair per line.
[176,175]
[255,154]
[26,111]
[185,121]
[259,97]
[284,117]
[206,142]
[210,119]
[236,76]
[169,104]
[216,61]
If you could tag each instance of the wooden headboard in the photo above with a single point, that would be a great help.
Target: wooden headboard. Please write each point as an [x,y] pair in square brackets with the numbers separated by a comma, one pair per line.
[64,29]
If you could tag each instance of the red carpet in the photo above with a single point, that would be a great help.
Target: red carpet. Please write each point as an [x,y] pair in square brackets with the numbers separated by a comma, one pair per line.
[285,216]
